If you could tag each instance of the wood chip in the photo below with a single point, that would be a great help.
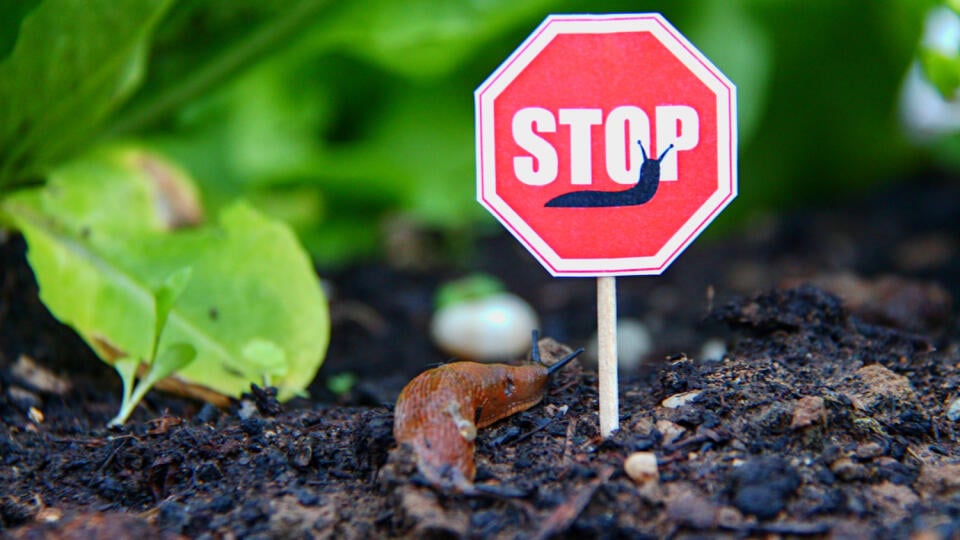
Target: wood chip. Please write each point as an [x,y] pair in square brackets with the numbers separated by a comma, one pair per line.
[808,411]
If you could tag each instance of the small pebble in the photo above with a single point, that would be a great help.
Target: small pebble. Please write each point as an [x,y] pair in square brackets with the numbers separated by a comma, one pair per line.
[713,350]
[679,400]
[670,431]
[641,467]
[49,515]
[39,377]
[808,411]
[35,415]
[953,411]
[868,450]
[247,409]
[24,399]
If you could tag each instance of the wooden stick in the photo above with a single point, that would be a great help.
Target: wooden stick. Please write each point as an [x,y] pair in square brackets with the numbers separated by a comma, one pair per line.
[607,354]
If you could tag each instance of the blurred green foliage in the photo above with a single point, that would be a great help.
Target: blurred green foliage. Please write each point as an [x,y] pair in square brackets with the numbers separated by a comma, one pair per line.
[940,59]
[340,116]
[116,234]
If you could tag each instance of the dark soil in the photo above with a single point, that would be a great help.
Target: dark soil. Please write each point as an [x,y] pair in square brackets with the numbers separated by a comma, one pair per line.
[827,416]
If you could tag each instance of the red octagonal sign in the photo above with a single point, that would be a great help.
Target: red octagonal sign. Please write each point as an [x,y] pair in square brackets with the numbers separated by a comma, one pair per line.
[606,144]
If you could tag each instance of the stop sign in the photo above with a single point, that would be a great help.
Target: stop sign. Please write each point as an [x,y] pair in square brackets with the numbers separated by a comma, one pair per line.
[606,144]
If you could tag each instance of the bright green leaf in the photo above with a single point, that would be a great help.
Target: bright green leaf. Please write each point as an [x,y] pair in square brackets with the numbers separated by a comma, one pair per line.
[466,289]
[164,298]
[424,38]
[747,60]
[99,255]
[954,5]
[341,383]
[942,70]
[265,357]
[74,61]
[173,359]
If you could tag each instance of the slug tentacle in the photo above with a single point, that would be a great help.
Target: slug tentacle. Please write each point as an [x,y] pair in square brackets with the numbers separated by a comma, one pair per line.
[438,413]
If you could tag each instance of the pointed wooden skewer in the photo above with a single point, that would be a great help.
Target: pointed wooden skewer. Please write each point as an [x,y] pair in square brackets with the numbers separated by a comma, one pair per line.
[607,355]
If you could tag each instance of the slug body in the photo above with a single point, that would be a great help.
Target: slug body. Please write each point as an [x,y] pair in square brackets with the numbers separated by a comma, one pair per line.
[438,413]
[640,193]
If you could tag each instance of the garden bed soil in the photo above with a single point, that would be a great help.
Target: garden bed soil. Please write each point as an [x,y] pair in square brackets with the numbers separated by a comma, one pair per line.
[828,413]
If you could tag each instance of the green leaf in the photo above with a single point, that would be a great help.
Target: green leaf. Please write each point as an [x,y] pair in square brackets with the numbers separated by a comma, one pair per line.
[73,62]
[99,249]
[424,38]
[954,5]
[466,289]
[424,168]
[267,358]
[747,60]
[173,359]
[341,383]
[942,70]
[165,297]
[11,15]
[205,44]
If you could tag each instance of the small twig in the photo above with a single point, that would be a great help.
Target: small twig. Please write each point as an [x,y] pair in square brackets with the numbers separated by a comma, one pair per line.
[540,427]
[568,442]
[703,435]
[123,442]
[564,515]
[560,389]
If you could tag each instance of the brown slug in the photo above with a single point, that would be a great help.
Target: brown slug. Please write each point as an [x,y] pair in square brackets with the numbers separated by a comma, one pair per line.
[438,413]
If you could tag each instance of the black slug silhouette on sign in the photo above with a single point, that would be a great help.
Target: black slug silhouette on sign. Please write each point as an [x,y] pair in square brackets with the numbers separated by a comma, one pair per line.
[643,191]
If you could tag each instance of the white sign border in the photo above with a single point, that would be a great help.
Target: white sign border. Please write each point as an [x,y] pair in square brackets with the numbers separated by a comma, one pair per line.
[691,57]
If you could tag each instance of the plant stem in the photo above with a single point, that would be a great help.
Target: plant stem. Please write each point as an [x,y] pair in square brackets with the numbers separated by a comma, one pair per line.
[127,407]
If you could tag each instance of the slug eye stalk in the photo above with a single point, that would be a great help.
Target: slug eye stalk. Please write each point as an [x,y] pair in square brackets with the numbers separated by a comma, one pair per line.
[564,361]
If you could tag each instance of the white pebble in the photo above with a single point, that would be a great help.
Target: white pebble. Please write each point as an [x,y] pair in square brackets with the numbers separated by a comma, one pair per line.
[641,467]
[953,412]
[495,327]
[713,350]
[679,400]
